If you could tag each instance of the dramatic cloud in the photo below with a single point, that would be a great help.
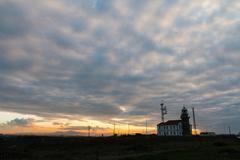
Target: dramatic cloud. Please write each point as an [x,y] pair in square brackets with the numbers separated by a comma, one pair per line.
[105,60]
[18,122]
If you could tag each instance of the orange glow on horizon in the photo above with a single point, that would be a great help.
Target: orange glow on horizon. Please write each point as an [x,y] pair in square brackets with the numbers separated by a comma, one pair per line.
[29,130]
[196,132]
[94,131]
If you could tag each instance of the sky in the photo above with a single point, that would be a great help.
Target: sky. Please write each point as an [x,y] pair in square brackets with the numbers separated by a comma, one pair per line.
[69,64]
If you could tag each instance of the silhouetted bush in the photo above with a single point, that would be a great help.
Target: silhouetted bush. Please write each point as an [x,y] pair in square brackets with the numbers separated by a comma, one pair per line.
[220,144]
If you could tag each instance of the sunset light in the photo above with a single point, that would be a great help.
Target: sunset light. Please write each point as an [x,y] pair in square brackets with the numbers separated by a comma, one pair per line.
[119,79]
[66,66]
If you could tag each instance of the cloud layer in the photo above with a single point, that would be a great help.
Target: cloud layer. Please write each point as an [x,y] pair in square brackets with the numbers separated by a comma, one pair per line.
[17,122]
[118,59]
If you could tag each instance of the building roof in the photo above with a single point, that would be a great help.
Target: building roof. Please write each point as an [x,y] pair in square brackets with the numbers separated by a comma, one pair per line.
[171,122]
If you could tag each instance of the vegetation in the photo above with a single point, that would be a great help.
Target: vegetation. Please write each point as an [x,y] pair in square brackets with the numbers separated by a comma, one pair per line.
[119,148]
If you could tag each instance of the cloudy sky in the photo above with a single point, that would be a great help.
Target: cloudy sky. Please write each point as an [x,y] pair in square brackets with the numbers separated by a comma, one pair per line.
[67,64]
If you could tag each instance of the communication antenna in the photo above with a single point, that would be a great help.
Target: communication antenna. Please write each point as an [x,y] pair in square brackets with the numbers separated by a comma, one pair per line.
[163,110]
[194,121]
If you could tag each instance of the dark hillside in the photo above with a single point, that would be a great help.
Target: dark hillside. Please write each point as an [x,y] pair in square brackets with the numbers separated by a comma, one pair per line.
[119,148]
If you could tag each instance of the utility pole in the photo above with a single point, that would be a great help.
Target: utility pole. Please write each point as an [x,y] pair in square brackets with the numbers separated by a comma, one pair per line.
[128,129]
[89,131]
[229,130]
[146,128]
[194,121]
[96,131]
[114,129]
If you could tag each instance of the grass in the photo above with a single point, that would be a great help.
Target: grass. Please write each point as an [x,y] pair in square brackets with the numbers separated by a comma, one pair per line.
[119,148]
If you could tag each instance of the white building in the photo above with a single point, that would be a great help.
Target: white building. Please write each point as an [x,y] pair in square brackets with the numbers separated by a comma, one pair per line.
[170,128]
[176,127]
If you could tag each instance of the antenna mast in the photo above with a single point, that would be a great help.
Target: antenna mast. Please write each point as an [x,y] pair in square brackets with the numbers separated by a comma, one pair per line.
[194,121]
[163,110]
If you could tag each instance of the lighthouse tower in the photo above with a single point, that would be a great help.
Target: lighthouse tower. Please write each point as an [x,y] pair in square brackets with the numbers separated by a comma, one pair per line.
[186,127]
